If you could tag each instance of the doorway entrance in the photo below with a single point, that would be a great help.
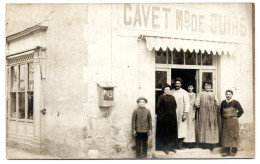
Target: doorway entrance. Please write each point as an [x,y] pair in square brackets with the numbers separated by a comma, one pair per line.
[189,76]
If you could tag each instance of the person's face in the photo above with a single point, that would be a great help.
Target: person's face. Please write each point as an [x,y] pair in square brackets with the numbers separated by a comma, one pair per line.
[177,85]
[229,95]
[190,88]
[167,90]
[207,87]
[141,103]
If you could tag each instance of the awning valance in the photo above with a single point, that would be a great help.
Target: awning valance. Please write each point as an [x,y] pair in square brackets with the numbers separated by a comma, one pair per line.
[196,45]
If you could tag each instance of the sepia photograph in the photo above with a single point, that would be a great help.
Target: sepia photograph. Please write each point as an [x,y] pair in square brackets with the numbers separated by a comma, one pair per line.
[130,80]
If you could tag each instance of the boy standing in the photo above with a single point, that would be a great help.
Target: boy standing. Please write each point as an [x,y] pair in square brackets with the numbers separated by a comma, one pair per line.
[142,127]
[230,111]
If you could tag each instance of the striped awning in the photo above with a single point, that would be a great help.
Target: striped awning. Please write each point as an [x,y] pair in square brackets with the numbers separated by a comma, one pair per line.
[196,45]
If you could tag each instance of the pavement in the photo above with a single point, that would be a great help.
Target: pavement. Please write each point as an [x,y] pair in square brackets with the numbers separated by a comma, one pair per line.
[16,153]
[195,153]
[198,153]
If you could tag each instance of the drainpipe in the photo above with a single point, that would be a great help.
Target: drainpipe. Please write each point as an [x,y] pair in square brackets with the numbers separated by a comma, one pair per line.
[140,37]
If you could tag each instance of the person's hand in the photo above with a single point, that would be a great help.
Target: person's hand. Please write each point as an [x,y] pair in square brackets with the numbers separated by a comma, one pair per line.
[184,117]
[150,132]
[134,133]
[216,103]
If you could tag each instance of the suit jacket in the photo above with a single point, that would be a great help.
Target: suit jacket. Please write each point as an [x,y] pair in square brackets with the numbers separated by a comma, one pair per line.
[142,120]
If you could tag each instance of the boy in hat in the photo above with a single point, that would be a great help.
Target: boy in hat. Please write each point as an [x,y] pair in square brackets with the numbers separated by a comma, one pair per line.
[142,127]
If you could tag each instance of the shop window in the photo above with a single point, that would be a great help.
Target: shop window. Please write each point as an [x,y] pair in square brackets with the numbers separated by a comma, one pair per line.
[21,91]
[178,57]
[160,79]
[13,105]
[30,105]
[160,57]
[199,58]
[14,73]
[206,58]
[30,74]
[207,76]
[190,57]
[187,58]
[22,78]
[21,114]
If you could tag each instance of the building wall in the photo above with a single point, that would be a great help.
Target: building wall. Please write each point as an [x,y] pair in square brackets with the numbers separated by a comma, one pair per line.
[84,47]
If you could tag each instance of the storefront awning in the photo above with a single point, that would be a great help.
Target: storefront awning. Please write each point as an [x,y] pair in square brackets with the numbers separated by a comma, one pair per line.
[196,45]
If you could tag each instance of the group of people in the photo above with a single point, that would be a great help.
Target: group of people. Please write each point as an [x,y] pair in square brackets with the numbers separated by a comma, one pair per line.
[187,120]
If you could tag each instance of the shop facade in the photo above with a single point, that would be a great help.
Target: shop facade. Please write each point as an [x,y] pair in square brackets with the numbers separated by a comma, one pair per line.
[74,72]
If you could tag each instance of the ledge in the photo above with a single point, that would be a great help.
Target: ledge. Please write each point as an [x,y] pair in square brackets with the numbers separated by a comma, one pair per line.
[26,32]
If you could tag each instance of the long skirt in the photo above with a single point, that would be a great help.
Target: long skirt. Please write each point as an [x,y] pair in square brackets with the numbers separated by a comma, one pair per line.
[230,132]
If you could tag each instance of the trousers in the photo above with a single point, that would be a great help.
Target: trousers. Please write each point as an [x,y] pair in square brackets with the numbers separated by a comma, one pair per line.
[141,145]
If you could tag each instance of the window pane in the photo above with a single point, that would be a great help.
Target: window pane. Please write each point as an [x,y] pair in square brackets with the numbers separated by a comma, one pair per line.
[207,76]
[206,58]
[160,56]
[157,94]
[160,79]
[21,114]
[169,56]
[21,78]
[30,74]
[190,58]
[14,71]
[178,57]
[30,105]
[13,105]
[199,58]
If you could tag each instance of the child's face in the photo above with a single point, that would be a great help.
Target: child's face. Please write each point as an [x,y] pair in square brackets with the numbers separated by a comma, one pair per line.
[141,103]
[190,88]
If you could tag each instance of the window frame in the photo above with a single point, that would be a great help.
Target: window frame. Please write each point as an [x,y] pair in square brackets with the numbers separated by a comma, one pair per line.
[17,91]
[168,51]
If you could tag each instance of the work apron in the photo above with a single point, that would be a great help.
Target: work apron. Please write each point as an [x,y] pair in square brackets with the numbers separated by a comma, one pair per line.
[230,127]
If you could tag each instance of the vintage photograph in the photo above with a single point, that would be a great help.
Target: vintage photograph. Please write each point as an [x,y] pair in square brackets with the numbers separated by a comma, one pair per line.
[130,80]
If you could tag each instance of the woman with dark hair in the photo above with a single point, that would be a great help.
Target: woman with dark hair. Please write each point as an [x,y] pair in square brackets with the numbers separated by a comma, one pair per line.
[207,123]
[166,132]
[189,140]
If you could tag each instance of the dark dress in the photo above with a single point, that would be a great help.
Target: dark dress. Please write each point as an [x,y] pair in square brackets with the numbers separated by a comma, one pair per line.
[230,112]
[167,129]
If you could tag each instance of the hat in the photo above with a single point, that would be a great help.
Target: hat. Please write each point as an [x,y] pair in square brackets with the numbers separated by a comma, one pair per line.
[141,98]
[167,85]
[178,79]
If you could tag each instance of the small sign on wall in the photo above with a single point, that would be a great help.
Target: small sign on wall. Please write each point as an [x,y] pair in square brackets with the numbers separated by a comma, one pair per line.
[106,94]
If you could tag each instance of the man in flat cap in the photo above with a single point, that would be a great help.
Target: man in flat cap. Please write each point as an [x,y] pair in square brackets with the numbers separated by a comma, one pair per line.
[183,105]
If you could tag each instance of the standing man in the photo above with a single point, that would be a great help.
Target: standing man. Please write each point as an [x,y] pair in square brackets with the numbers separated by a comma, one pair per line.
[230,111]
[183,106]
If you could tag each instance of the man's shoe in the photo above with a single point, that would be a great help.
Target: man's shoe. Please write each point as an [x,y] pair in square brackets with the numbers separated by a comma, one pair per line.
[174,150]
[224,154]
[233,154]
[166,151]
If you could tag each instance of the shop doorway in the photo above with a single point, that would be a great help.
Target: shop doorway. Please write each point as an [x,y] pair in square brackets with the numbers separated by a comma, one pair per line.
[189,76]
[167,76]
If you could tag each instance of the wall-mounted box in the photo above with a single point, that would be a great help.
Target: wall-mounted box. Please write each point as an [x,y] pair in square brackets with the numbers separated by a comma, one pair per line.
[106,94]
